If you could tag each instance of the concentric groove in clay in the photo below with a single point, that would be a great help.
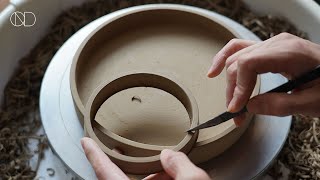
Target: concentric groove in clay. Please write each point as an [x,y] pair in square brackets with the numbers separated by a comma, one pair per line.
[139,165]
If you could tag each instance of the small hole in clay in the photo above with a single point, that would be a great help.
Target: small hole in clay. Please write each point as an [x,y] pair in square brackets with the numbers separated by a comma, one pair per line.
[136,99]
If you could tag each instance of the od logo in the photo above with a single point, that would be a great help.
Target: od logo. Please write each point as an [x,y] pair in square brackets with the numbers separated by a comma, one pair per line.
[25,19]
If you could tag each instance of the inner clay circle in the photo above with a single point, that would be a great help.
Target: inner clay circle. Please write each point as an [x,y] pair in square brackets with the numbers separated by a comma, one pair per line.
[105,90]
[140,115]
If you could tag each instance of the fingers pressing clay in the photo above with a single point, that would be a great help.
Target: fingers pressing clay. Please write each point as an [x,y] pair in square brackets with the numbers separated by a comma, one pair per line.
[179,167]
[104,168]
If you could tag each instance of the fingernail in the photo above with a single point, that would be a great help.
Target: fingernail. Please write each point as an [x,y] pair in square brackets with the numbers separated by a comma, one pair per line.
[83,142]
[212,67]
[231,106]
[167,151]
[236,122]
[239,120]
[151,176]
[227,102]
[209,73]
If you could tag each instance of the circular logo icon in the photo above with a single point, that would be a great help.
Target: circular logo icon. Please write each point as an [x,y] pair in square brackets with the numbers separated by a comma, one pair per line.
[26,19]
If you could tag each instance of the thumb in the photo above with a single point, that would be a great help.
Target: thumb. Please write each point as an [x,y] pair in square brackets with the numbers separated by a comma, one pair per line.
[102,165]
[280,104]
[178,166]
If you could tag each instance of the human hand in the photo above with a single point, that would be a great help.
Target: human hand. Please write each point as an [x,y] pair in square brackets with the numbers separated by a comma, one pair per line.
[176,165]
[285,54]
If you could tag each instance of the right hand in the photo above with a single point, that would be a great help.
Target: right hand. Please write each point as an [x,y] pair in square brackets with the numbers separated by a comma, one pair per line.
[285,54]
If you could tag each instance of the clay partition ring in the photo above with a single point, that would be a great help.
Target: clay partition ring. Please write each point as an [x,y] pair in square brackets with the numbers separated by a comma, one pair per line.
[132,148]
[146,164]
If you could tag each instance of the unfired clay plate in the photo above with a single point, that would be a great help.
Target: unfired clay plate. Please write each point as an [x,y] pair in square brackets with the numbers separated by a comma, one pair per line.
[174,42]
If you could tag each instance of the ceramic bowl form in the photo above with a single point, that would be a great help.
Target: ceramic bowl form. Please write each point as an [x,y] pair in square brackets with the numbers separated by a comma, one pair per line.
[139,165]
[177,41]
[304,14]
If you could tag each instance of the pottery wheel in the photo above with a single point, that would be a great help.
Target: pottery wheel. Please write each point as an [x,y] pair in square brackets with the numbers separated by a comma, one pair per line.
[246,159]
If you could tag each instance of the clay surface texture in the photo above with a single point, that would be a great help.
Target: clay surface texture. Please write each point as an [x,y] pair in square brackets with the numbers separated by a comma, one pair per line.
[175,43]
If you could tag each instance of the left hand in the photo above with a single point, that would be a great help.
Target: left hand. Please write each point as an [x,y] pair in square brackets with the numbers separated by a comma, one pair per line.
[176,165]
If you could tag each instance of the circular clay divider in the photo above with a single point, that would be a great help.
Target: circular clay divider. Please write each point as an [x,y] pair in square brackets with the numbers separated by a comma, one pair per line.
[139,165]
[178,42]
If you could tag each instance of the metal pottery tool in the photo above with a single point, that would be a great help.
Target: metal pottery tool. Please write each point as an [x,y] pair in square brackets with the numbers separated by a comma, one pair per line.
[286,87]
